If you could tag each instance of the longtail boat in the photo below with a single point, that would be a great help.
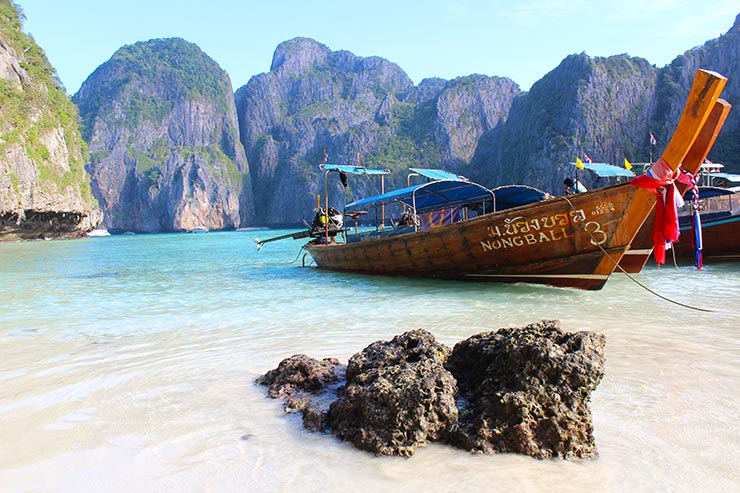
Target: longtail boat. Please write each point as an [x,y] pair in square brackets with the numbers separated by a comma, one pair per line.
[457,229]
[720,228]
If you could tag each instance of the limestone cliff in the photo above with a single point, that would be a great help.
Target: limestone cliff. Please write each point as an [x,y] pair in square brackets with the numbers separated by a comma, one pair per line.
[606,107]
[600,106]
[167,154]
[44,189]
[160,122]
[316,101]
[721,55]
[467,108]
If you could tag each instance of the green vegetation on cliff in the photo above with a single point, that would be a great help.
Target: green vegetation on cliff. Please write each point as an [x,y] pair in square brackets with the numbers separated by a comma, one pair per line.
[149,77]
[33,58]
[410,142]
[36,107]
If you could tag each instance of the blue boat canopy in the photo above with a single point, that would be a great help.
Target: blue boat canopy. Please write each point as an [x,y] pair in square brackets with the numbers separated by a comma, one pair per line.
[429,196]
[437,174]
[606,170]
[354,170]
[509,196]
[708,192]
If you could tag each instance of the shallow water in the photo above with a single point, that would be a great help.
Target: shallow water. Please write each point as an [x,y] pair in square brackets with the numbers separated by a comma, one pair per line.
[128,364]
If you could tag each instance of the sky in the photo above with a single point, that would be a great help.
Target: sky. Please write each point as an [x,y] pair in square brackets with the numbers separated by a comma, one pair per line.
[519,39]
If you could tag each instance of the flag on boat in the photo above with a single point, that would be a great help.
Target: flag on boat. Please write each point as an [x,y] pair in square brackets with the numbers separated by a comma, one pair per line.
[652,139]
[627,164]
[587,158]
[579,163]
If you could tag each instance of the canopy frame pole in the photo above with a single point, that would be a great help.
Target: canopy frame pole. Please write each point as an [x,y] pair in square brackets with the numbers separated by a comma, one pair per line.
[413,205]
[382,206]
[326,208]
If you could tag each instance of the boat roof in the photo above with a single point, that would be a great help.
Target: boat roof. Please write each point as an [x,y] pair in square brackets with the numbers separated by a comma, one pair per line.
[709,192]
[606,170]
[706,165]
[353,169]
[428,196]
[727,176]
[509,196]
[437,174]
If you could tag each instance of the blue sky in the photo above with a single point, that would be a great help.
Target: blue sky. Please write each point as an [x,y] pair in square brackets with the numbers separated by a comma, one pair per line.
[519,39]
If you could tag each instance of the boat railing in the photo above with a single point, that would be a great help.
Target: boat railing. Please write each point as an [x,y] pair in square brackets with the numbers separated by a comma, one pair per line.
[713,202]
[444,211]
[446,198]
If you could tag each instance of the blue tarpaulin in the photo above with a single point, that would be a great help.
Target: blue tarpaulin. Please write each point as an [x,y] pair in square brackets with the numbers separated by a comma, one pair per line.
[606,170]
[437,174]
[709,192]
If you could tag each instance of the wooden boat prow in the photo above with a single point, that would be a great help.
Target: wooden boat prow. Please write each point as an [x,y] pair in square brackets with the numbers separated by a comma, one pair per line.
[572,241]
[642,247]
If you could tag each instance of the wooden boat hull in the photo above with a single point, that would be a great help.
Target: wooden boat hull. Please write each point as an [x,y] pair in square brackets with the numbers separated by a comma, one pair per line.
[635,259]
[720,238]
[574,241]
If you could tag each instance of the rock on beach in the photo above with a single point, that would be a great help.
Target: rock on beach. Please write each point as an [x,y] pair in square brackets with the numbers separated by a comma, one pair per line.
[524,390]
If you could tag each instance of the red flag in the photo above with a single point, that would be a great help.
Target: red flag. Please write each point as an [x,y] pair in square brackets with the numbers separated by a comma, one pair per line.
[652,139]
[587,158]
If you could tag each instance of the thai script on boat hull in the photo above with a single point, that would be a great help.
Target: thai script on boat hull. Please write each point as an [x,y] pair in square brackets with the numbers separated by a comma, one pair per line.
[519,232]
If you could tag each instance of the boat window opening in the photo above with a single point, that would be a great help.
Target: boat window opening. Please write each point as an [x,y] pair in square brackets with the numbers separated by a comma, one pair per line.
[717,204]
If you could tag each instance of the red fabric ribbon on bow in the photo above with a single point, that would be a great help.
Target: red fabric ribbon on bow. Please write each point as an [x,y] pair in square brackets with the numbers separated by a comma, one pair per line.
[666,213]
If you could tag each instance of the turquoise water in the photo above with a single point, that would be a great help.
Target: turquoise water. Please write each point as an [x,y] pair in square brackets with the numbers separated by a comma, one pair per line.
[128,365]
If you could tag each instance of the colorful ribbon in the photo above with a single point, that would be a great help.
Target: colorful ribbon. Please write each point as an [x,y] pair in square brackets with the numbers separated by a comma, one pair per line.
[697,242]
[666,229]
